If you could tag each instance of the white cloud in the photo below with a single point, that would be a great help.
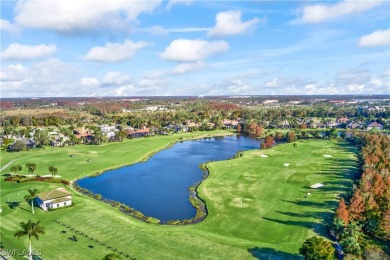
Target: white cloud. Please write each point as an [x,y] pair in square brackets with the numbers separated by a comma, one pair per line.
[93,82]
[273,83]
[63,16]
[188,67]
[114,78]
[386,73]
[375,82]
[6,26]
[353,77]
[17,51]
[172,3]
[320,12]
[47,78]
[238,86]
[310,89]
[229,23]
[193,50]
[114,52]
[377,38]
[356,88]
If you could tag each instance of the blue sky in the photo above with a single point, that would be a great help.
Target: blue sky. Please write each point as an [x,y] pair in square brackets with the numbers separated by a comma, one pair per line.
[132,48]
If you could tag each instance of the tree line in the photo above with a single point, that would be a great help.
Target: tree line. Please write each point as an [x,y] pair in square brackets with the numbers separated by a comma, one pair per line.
[362,221]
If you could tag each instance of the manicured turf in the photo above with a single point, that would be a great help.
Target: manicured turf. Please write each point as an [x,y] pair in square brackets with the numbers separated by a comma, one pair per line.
[105,156]
[256,208]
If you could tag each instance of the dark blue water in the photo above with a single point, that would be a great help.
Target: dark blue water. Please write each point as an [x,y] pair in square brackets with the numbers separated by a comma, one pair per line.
[159,187]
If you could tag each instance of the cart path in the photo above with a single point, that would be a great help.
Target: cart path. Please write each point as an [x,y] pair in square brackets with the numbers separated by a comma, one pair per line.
[5,166]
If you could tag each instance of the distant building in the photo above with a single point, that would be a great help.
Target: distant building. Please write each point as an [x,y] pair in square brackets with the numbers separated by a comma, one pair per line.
[29,143]
[318,125]
[332,124]
[139,133]
[284,124]
[270,101]
[354,126]
[230,123]
[374,125]
[54,199]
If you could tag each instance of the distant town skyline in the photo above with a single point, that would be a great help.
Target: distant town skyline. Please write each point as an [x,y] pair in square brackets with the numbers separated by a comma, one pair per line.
[93,48]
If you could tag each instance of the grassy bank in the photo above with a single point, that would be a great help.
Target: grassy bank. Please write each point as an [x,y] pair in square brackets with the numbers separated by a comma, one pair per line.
[93,159]
[257,206]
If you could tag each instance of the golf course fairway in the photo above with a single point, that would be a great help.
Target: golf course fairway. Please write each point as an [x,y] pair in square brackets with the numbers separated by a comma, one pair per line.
[257,206]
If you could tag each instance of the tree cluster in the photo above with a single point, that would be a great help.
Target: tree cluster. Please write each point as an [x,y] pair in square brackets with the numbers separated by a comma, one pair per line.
[367,215]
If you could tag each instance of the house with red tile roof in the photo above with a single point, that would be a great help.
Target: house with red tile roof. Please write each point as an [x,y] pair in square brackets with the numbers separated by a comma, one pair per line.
[374,125]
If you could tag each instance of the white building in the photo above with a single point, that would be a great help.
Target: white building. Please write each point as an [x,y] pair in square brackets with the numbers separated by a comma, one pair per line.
[54,199]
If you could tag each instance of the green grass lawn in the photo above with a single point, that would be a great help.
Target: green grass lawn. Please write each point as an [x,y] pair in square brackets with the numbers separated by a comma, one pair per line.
[257,206]
[104,157]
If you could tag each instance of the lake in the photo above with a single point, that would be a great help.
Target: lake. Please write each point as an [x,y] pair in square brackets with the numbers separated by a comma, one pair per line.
[160,186]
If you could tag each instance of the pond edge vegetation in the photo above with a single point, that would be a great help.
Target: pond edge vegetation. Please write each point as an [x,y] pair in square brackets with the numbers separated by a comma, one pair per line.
[194,199]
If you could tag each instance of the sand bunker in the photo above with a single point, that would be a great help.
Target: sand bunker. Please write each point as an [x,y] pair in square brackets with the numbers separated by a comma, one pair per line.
[328,155]
[286,164]
[263,155]
[317,185]
[49,175]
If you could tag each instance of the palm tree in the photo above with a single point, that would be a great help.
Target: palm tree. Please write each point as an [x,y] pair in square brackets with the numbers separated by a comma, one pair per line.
[31,196]
[31,167]
[53,170]
[30,229]
[16,168]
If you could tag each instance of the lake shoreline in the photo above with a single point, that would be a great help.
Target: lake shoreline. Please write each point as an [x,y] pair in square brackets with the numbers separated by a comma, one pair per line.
[194,199]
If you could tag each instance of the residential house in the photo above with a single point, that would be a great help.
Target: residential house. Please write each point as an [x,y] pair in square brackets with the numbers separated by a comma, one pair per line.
[374,125]
[54,199]
[284,124]
[230,124]
[58,140]
[354,126]
[192,126]
[318,125]
[29,143]
[332,124]
[139,133]
[342,120]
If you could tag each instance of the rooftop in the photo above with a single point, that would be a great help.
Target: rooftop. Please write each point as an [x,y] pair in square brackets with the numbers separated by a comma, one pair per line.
[53,194]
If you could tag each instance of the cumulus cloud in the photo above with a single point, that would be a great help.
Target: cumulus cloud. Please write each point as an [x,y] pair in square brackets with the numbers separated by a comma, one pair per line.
[272,83]
[229,23]
[115,52]
[114,78]
[355,88]
[353,76]
[93,82]
[310,89]
[17,51]
[238,86]
[6,26]
[377,38]
[172,3]
[65,16]
[324,12]
[188,67]
[51,77]
[193,50]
